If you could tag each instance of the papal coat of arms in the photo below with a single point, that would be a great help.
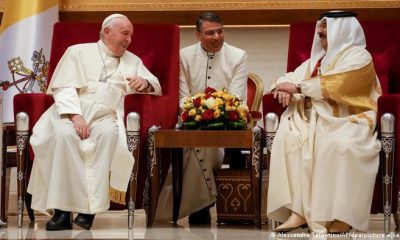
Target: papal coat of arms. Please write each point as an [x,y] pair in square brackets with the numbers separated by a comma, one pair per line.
[20,73]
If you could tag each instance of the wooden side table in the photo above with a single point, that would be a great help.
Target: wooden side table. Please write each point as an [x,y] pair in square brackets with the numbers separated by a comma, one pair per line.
[178,139]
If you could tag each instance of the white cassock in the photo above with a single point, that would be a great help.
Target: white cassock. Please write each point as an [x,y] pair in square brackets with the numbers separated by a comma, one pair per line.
[198,69]
[77,175]
[325,153]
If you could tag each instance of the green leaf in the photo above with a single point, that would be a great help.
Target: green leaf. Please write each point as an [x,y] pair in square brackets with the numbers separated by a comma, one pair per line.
[235,125]
[216,125]
[190,125]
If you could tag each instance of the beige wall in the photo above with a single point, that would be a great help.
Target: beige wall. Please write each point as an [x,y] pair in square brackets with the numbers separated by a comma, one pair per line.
[266,48]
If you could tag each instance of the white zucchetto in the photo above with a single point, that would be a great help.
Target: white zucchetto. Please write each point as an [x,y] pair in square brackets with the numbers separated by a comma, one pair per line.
[112,16]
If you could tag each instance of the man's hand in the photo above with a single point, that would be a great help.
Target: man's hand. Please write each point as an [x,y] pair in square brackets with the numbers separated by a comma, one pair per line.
[139,84]
[283,97]
[287,87]
[80,125]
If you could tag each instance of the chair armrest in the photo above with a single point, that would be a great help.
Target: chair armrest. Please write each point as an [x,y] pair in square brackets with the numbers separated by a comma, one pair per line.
[34,104]
[389,103]
[153,110]
[270,104]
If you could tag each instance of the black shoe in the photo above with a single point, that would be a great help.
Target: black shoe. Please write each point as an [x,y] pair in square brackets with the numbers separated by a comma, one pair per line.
[61,220]
[202,216]
[84,220]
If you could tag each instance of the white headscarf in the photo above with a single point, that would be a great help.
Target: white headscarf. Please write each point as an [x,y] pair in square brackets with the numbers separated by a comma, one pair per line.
[342,32]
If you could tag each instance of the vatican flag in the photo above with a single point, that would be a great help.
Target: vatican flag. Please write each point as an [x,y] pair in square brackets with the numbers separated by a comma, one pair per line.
[25,40]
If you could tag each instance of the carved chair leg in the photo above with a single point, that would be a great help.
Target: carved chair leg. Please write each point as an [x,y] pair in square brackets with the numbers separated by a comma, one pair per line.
[152,188]
[271,126]
[256,174]
[387,139]
[133,138]
[132,196]
[22,124]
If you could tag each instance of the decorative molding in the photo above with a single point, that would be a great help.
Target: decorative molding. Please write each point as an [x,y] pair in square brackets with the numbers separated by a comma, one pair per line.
[255,160]
[133,139]
[233,12]
[225,188]
[22,138]
[200,5]
[183,5]
[151,153]
[246,189]
[387,145]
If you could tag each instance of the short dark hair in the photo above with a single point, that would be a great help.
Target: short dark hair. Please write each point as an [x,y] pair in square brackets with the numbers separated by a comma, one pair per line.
[207,16]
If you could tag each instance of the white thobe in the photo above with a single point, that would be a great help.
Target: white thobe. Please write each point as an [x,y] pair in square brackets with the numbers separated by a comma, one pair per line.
[226,69]
[77,175]
[325,159]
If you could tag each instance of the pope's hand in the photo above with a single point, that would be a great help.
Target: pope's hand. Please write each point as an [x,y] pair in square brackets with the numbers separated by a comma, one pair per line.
[80,125]
[138,84]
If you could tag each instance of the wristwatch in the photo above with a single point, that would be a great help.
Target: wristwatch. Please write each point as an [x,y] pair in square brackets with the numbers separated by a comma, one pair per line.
[298,87]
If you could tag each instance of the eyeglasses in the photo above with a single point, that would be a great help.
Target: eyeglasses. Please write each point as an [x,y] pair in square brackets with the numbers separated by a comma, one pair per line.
[211,33]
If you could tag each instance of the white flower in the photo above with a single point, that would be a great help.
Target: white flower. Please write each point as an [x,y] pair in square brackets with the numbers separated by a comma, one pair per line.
[210,102]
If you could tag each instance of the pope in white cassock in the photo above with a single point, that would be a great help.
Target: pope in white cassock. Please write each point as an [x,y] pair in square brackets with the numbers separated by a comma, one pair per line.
[81,156]
[324,156]
[208,63]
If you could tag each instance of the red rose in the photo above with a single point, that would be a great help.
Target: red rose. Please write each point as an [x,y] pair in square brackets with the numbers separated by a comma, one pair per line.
[207,96]
[197,102]
[185,116]
[207,115]
[233,116]
[209,90]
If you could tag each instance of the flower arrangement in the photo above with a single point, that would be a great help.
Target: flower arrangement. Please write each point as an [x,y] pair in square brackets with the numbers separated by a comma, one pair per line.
[214,110]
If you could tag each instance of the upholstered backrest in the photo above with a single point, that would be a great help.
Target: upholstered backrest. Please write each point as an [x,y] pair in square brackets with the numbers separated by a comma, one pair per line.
[153,43]
[383,42]
[255,90]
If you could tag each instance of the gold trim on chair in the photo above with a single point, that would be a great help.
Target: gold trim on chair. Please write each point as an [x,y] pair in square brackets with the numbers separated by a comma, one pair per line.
[259,91]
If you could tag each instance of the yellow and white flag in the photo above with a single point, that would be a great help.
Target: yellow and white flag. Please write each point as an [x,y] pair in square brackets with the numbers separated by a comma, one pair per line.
[25,39]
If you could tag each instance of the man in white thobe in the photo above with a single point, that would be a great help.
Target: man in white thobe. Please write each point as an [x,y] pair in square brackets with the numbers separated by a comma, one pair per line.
[325,153]
[81,156]
[209,63]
